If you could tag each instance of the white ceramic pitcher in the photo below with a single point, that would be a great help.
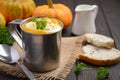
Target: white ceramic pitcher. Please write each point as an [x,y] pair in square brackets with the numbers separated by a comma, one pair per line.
[84,21]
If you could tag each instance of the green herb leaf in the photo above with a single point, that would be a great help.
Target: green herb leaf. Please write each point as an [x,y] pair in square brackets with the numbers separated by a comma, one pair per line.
[5,37]
[81,66]
[41,24]
[102,73]
[34,19]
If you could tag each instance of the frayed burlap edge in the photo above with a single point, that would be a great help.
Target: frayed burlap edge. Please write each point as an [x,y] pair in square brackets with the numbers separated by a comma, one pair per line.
[71,48]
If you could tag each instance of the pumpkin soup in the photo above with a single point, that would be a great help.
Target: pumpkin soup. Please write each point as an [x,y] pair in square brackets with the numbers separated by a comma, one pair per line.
[42,25]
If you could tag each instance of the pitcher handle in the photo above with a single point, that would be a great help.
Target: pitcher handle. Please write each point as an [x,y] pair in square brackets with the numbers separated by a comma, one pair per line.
[12,26]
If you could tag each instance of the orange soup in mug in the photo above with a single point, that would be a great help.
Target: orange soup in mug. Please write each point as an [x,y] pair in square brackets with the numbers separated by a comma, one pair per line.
[42,25]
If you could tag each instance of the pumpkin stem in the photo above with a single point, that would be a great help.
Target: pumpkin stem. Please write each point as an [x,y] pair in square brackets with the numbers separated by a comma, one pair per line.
[50,3]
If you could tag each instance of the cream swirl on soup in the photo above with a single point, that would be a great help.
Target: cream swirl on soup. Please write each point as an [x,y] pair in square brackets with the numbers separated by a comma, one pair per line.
[44,25]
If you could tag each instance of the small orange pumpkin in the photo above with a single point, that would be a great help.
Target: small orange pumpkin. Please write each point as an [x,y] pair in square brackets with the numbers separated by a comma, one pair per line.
[16,9]
[2,20]
[59,11]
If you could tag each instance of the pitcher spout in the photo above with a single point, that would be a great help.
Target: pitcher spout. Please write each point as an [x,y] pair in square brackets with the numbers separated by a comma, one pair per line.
[94,7]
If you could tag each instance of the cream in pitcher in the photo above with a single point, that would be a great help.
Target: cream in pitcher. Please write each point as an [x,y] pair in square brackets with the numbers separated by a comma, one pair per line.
[41,40]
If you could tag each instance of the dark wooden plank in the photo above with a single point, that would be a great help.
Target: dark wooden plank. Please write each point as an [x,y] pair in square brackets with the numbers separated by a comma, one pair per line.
[111,10]
[40,2]
[72,75]
[112,15]
[7,77]
[88,74]
[101,24]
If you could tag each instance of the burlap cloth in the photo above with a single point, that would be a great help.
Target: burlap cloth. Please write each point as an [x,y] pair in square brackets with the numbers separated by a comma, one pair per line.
[70,50]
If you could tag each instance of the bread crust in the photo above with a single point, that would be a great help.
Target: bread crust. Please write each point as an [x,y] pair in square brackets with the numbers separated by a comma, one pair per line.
[98,62]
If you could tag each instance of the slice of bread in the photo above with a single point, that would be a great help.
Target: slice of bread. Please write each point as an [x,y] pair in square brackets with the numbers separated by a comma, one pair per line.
[99,56]
[99,40]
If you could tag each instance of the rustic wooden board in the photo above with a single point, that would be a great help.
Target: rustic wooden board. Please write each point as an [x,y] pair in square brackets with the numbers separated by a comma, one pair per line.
[111,10]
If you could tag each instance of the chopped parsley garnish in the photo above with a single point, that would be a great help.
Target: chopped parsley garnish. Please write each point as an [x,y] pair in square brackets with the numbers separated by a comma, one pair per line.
[81,66]
[40,24]
[102,73]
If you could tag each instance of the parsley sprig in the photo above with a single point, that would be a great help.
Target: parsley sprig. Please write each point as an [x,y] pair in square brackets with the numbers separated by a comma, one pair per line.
[102,73]
[5,37]
[41,24]
[81,66]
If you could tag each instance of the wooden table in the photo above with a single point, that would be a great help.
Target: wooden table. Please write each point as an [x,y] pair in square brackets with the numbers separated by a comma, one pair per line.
[107,23]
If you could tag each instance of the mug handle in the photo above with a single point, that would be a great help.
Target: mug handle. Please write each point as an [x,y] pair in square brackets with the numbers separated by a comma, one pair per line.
[12,27]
